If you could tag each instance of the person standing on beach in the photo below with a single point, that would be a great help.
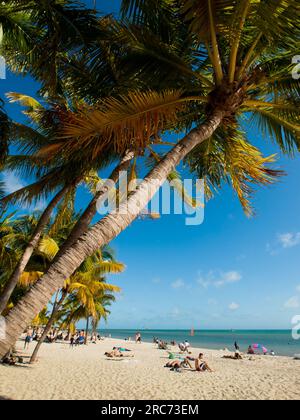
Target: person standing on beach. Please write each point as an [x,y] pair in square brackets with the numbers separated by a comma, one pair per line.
[28,339]
[138,338]
[72,341]
[236,346]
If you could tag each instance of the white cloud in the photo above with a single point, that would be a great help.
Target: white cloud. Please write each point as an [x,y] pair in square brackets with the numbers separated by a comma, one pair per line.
[12,182]
[234,306]
[219,279]
[292,303]
[178,284]
[229,278]
[289,240]
[156,280]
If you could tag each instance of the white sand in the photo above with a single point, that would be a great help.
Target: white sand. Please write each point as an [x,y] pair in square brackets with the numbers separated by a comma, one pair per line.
[84,373]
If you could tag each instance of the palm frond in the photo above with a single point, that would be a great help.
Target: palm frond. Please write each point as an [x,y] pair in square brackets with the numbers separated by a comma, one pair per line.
[229,157]
[282,126]
[108,267]
[128,122]
[48,248]
[25,100]
[29,278]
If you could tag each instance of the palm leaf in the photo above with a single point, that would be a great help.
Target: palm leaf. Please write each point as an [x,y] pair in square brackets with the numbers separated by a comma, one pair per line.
[130,121]
[281,128]
[29,278]
[48,248]
[25,100]
[108,267]
[234,161]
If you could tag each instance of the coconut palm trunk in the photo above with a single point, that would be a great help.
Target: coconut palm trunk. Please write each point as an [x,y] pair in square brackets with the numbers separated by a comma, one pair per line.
[44,219]
[102,233]
[86,218]
[52,319]
[87,330]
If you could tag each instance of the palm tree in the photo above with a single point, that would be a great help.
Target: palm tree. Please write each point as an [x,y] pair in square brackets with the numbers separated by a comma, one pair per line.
[243,51]
[40,37]
[88,281]
[15,234]
[55,176]
[34,110]
[85,289]
[102,311]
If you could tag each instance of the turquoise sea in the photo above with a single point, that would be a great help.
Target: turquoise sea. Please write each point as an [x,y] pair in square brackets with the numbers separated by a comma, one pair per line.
[281,341]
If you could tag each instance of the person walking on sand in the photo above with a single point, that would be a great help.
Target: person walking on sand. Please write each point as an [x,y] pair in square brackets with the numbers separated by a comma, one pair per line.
[28,339]
[138,338]
[72,341]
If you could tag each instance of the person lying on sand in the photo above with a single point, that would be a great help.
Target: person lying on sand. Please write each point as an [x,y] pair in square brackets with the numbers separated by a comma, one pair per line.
[117,353]
[121,349]
[201,365]
[237,356]
[9,360]
[178,364]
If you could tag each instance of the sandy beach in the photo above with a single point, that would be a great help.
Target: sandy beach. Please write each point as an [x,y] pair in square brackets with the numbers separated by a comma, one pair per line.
[85,373]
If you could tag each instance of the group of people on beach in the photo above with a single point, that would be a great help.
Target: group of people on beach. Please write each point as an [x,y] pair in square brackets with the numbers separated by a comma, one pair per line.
[199,363]
[55,335]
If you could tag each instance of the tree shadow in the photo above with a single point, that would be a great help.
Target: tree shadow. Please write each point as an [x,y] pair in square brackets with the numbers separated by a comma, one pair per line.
[17,365]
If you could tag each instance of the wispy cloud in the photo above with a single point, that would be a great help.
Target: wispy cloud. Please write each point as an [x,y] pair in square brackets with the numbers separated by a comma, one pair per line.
[178,284]
[289,240]
[219,278]
[12,182]
[283,241]
[292,303]
[234,306]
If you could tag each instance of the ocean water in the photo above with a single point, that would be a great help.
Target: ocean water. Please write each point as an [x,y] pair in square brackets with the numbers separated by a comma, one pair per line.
[281,341]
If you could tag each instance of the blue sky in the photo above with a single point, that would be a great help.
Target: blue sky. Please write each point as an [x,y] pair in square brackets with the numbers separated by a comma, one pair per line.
[229,272]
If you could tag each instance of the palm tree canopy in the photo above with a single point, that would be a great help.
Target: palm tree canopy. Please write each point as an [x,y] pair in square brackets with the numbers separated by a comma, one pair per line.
[238,61]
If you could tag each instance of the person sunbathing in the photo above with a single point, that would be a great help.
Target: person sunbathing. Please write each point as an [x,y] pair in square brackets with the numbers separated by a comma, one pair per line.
[121,349]
[178,364]
[162,345]
[237,356]
[117,353]
[201,365]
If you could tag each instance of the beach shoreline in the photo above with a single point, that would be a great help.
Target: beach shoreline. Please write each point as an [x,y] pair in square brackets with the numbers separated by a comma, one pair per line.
[85,373]
[280,342]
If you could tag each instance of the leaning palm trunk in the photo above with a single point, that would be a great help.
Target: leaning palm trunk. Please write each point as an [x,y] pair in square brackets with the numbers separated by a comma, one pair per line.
[87,330]
[13,281]
[102,233]
[52,319]
[86,218]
